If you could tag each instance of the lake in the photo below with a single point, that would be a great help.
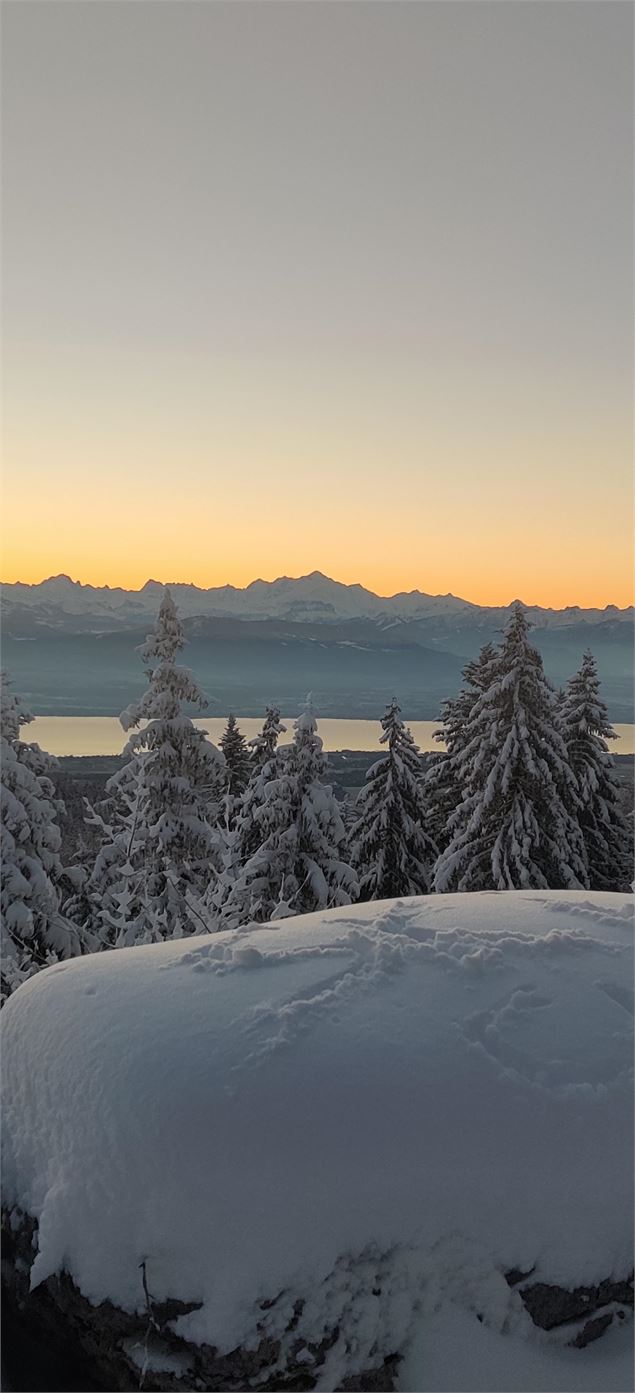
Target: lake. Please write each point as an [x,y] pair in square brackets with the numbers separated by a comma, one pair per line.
[103,735]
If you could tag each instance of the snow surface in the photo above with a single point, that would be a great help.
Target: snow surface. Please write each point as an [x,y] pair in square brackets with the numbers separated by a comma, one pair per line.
[378,1109]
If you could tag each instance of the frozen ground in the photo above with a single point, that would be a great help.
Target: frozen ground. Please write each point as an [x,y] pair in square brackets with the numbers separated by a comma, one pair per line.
[378,1110]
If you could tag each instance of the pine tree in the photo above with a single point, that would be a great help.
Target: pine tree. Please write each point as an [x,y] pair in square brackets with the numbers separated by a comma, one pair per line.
[161,842]
[264,745]
[391,849]
[323,875]
[267,765]
[34,931]
[442,787]
[234,747]
[246,832]
[515,827]
[586,728]
[299,864]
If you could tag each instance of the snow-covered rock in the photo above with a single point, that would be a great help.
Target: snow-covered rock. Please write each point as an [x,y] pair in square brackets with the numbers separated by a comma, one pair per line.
[332,1138]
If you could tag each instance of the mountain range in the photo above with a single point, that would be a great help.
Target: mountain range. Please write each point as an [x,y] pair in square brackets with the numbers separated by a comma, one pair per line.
[70,648]
[303,599]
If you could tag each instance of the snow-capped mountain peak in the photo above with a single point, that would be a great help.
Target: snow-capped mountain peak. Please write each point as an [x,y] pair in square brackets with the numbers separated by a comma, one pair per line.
[294,597]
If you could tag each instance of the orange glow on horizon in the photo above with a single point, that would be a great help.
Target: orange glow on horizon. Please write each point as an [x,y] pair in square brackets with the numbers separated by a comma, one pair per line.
[590,592]
[271,310]
[489,510]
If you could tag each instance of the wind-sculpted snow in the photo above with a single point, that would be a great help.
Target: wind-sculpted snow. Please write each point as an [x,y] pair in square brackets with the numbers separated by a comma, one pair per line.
[377,1111]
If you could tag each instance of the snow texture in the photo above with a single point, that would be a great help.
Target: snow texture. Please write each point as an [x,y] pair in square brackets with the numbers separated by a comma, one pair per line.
[377,1109]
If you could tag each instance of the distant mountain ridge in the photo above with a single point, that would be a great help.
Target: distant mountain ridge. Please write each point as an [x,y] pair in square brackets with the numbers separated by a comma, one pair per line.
[71,648]
[304,599]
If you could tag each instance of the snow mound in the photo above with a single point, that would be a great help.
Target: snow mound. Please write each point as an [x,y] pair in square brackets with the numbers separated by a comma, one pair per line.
[376,1110]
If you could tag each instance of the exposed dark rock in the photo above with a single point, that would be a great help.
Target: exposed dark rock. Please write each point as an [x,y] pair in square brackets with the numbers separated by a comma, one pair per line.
[514,1276]
[592,1330]
[163,1311]
[266,1305]
[74,1345]
[550,1306]
[616,1291]
[380,1380]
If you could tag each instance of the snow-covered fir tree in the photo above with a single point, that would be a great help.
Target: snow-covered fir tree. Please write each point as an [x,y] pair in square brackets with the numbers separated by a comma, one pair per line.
[516,826]
[300,862]
[323,874]
[391,849]
[34,931]
[161,843]
[235,750]
[442,786]
[244,832]
[267,765]
[586,728]
[264,744]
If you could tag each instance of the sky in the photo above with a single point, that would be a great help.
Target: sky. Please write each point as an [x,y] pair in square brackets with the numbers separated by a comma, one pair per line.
[338,286]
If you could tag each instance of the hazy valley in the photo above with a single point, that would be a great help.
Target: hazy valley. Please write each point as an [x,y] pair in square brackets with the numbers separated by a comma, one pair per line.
[71,648]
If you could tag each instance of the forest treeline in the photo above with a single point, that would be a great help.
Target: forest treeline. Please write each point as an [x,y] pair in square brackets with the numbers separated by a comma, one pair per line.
[191,838]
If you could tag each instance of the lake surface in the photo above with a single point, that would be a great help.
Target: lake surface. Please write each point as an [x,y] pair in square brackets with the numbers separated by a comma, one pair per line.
[103,735]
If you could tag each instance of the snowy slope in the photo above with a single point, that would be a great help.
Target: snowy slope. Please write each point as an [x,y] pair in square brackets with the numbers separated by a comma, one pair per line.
[378,1109]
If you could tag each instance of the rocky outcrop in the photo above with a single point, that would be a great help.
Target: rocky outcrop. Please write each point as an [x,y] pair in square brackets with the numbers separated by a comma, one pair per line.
[102,1349]
[73,1345]
[592,1330]
[551,1306]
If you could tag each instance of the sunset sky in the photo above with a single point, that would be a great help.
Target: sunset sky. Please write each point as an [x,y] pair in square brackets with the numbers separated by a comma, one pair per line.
[320,286]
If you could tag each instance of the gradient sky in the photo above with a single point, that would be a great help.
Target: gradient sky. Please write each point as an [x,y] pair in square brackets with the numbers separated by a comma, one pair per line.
[343,286]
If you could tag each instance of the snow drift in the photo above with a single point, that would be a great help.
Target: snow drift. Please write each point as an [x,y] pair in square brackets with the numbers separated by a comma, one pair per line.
[356,1121]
